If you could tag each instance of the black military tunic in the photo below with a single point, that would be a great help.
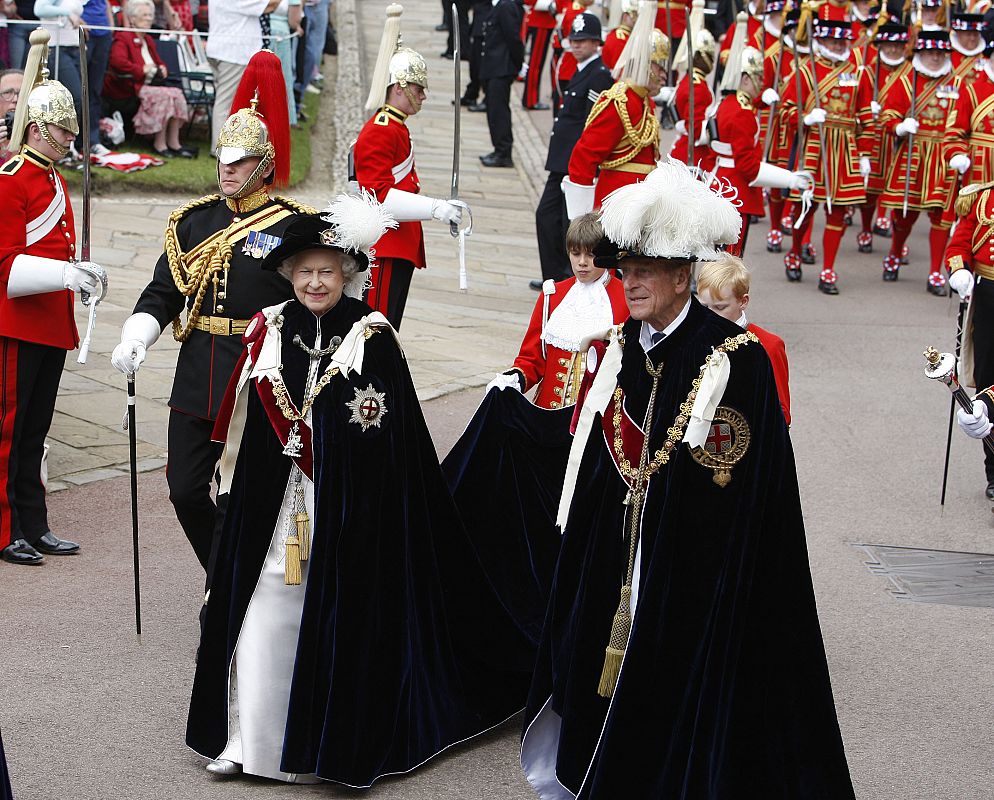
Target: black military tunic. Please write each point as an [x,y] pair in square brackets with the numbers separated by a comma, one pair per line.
[215,246]
[550,215]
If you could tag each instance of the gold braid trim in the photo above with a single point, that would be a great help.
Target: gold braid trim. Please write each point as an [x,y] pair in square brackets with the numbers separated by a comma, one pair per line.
[190,284]
[637,136]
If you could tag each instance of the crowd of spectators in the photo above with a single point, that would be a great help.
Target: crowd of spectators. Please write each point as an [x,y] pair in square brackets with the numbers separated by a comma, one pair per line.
[128,73]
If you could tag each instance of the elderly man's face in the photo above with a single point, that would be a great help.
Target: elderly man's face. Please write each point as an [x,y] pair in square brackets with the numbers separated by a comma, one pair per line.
[10,89]
[655,291]
[317,278]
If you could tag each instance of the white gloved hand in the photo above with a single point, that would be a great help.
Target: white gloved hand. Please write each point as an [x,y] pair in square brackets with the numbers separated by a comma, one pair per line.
[504,381]
[816,117]
[444,211]
[85,276]
[906,126]
[680,128]
[875,108]
[665,96]
[975,425]
[770,96]
[962,282]
[960,162]
[139,332]
[864,166]
[801,182]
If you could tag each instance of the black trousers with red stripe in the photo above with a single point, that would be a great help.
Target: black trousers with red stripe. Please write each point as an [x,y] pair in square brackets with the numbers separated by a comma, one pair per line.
[29,385]
[190,471]
[537,39]
[391,280]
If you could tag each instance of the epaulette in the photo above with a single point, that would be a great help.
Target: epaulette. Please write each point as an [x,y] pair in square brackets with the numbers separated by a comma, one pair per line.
[11,166]
[744,101]
[295,205]
[965,198]
[386,114]
[620,34]
[183,210]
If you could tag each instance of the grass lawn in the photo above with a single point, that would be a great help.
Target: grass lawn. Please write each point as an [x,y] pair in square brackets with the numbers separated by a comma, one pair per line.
[192,176]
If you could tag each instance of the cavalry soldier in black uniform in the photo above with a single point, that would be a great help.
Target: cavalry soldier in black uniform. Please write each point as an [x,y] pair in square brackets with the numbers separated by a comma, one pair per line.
[212,266]
[583,89]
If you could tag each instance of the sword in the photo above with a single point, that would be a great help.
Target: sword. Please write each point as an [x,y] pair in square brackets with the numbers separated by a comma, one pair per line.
[84,250]
[821,126]
[454,229]
[773,106]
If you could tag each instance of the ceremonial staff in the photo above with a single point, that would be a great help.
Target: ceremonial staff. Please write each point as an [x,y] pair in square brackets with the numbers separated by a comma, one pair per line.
[799,138]
[454,229]
[130,424]
[826,171]
[692,132]
[911,140]
[773,106]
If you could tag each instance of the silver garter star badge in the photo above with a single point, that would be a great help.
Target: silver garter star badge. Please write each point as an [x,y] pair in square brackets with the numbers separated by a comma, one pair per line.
[368,407]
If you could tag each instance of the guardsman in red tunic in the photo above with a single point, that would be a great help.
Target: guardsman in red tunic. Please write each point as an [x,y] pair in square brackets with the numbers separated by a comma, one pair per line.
[676,10]
[916,113]
[970,260]
[888,62]
[615,41]
[970,134]
[211,266]
[38,278]
[620,142]
[738,149]
[754,34]
[704,52]
[593,300]
[540,22]
[563,62]
[383,158]
[831,153]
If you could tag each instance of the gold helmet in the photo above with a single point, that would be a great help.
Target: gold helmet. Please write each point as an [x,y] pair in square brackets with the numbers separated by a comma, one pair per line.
[243,135]
[705,45]
[660,53]
[630,7]
[408,66]
[42,101]
[752,63]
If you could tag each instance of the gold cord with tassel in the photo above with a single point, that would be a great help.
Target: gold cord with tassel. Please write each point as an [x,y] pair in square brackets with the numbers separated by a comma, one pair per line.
[291,562]
[303,520]
[621,625]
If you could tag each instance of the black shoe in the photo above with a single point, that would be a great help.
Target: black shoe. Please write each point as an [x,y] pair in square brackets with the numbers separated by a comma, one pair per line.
[183,152]
[52,545]
[447,54]
[166,153]
[536,285]
[827,288]
[441,27]
[20,552]
[538,107]
[938,291]
[466,101]
[807,254]
[988,493]
[494,160]
[478,107]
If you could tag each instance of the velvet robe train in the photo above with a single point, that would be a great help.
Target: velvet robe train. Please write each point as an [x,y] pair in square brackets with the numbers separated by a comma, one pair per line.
[5,790]
[404,649]
[724,690]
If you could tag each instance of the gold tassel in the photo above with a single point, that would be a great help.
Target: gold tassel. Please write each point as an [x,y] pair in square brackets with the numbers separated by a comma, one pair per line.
[291,563]
[614,654]
[304,534]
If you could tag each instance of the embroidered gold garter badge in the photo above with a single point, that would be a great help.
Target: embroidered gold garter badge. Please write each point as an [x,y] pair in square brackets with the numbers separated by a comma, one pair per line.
[726,444]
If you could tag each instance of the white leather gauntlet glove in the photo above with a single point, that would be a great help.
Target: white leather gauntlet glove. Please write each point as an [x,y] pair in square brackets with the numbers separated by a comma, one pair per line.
[962,282]
[975,425]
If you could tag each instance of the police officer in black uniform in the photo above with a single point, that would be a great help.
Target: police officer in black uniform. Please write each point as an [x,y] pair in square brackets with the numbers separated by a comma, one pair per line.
[591,78]
[501,59]
[212,266]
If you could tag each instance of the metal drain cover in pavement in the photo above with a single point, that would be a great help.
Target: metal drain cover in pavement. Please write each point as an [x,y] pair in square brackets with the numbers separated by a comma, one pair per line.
[933,576]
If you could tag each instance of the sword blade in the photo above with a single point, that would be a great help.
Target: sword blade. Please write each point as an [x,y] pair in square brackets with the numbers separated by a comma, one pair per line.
[84,249]
[456,97]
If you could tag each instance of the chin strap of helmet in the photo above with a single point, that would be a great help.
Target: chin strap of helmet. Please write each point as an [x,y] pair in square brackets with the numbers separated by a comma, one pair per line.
[253,179]
[61,149]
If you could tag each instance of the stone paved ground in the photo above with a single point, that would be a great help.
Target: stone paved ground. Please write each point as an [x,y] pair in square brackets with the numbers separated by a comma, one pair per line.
[88,713]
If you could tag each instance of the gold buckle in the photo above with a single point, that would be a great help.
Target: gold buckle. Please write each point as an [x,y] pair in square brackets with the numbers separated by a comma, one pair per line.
[220,326]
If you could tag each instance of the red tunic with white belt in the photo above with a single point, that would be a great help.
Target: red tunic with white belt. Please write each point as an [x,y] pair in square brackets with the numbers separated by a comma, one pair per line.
[559,371]
[702,100]
[37,220]
[606,145]
[384,160]
[739,152]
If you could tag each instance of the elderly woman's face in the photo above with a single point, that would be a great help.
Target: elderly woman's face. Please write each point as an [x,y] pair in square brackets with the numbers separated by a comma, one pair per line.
[318,280]
[142,16]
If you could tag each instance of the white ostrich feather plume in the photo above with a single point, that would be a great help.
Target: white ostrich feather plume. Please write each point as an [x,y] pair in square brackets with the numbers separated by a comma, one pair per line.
[671,214]
[358,221]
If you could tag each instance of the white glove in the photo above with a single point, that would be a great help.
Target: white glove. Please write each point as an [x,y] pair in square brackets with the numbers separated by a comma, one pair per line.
[665,96]
[975,425]
[680,128]
[906,126]
[962,282]
[447,212]
[504,381]
[85,276]
[960,162]
[579,198]
[864,166]
[139,332]
[816,117]
[38,275]
[875,108]
[801,181]
[770,96]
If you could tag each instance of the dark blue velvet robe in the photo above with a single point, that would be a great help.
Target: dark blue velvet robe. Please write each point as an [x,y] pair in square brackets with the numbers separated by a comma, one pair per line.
[724,692]
[506,475]
[404,648]
[5,790]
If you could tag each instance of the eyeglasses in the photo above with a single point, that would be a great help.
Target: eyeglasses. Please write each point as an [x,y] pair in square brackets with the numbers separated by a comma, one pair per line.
[10,94]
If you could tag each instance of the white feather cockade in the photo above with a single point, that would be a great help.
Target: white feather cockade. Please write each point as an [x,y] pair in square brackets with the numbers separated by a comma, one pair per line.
[358,221]
[671,214]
